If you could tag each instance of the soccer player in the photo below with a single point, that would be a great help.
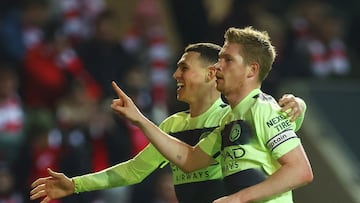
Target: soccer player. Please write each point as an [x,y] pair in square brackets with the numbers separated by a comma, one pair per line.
[197,87]
[254,140]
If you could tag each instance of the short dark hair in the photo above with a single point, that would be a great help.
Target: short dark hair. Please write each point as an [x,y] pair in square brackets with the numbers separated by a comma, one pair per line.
[209,52]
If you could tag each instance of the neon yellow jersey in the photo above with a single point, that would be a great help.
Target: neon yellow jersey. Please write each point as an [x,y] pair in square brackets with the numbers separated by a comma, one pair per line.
[126,173]
[198,128]
[204,185]
[253,136]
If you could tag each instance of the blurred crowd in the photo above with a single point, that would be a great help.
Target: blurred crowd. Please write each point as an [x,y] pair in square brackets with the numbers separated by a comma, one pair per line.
[58,58]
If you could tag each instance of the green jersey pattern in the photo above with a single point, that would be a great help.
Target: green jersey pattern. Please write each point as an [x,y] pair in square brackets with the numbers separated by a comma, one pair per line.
[253,136]
[189,187]
[191,130]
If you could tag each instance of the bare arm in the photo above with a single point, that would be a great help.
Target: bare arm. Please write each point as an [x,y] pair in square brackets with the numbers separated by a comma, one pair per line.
[294,172]
[186,157]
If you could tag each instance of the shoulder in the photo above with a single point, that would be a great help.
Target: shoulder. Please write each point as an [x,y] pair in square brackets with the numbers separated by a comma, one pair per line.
[266,113]
[174,118]
[265,105]
[263,98]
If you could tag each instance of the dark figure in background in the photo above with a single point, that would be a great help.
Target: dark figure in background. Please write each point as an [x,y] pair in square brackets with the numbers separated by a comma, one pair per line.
[103,55]
[8,191]
[12,115]
[21,28]
[48,68]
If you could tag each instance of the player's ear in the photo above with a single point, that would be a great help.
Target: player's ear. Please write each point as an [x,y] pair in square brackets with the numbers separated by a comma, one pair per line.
[210,73]
[253,70]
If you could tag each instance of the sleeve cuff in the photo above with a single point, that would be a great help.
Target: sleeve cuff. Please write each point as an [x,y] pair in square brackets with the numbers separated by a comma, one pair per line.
[77,182]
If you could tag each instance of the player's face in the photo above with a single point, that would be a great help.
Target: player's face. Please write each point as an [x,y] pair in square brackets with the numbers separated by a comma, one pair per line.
[230,69]
[190,77]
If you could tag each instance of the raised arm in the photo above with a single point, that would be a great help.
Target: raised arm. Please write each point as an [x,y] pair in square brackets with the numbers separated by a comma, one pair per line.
[186,157]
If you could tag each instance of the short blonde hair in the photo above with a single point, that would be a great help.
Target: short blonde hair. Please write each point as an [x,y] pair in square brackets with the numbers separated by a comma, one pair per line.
[256,47]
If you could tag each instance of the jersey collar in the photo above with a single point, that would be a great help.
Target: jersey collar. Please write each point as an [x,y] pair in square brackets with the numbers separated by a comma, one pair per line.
[245,104]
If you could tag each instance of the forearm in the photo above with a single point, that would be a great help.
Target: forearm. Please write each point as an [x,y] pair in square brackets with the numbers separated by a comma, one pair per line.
[126,173]
[274,185]
[173,149]
[288,177]
[107,178]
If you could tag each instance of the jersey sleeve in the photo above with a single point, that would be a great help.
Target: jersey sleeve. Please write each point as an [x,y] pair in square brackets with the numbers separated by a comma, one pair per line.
[126,173]
[276,130]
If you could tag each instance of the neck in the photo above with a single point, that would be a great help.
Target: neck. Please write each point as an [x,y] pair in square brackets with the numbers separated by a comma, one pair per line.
[235,97]
[202,105]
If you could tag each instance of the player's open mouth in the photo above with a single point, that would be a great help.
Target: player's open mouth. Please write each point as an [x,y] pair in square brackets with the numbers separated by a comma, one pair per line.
[179,86]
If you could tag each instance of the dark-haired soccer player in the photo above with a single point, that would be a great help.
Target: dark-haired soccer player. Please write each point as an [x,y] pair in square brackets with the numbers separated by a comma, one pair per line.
[197,87]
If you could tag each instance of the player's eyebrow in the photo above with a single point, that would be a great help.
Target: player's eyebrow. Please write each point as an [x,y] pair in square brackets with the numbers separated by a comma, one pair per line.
[222,55]
[182,63]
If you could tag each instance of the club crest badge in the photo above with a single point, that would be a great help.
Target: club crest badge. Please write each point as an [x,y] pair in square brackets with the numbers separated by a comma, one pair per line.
[235,132]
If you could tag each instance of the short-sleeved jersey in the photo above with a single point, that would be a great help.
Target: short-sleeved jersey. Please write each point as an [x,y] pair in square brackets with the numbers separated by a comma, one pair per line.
[253,136]
[203,185]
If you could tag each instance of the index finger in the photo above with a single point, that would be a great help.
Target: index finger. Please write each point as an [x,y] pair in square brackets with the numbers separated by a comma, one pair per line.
[117,90]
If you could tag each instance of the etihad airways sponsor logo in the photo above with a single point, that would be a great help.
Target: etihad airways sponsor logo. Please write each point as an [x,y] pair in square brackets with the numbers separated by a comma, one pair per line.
[199,175]
[230,166]
[233,153]
[180,176]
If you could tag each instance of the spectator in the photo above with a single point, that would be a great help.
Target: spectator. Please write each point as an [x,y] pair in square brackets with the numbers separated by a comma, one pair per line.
[48,67]
[78,16]
[8,192]
[148,41]
[11,115]
[22,28]
[135,82]
[102,55]
[42,149]
[320,49]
